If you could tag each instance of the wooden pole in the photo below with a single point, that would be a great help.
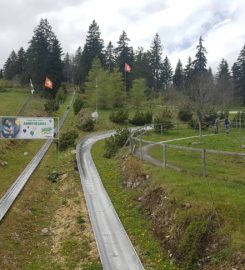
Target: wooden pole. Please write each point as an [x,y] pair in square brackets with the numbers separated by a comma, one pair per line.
[204,162]
[164,157]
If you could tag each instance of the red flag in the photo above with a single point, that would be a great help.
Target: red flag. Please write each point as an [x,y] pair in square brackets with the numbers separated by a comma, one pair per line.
[48,83]
[127,68]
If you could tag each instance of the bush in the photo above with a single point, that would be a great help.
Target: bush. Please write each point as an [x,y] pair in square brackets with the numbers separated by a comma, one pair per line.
[61,94]
[51,106]
[148,117]
[185,114]
[115,142]
[163,121]
[88,124]
[195,125]
[119,117]
[140,118]
[67,140]
[77,105]
[2,90]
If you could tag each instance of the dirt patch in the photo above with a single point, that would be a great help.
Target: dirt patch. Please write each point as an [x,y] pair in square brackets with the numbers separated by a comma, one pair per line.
[71,229]
[133,173]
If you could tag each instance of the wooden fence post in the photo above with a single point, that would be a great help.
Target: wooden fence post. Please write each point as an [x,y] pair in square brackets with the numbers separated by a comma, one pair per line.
[164,157]
[131,145]
[141,153]
[204,162]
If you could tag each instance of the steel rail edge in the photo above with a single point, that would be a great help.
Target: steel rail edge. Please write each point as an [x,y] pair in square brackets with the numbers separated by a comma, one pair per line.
[108,260]
[12,193]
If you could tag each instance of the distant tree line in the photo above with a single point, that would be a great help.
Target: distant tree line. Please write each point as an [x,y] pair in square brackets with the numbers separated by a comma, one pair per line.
[44,58]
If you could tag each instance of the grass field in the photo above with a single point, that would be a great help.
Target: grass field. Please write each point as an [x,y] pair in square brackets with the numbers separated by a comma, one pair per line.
[12,101]
[57,207]
[224,187]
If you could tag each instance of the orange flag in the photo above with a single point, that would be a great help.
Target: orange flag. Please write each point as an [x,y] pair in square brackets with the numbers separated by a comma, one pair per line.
[48,83]
[127,67]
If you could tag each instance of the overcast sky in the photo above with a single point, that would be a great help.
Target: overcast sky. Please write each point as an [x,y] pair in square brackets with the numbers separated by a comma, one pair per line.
[178,22]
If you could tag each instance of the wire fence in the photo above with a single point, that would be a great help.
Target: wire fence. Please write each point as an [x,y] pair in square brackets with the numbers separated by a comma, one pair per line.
[200,161]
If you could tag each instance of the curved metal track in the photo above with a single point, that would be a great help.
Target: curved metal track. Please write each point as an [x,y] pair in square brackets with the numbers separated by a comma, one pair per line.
[115,248]
[9,197]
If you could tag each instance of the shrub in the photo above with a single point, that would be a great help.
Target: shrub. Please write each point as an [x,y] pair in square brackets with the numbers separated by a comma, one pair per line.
[163,121]
[67,140]
[77,105]
[80,220]
[195,125]
[148,117]
[51,106]
[88,124]
[61,94]
[2,90]
[115,142]
[185,114]
[119,117]
[140,118]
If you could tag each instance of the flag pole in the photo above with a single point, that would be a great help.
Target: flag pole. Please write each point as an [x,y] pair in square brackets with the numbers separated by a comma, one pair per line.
[125,78]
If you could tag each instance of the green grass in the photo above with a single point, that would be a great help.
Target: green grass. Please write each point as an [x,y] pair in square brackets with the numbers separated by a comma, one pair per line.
[12,101]
[17,161]
[125,203]
[223,189]
[218,166]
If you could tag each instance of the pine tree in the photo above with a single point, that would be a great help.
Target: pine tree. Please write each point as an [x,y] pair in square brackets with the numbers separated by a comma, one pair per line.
[166,74]
[188,73]
[93,48]
[239,76]
[21,65]
[200,62]
[54,65]
[142,68]
[224,84]
[77,66]
[10,66]
[124,54]
[178,78]
[68,68]
[156,60]
[44,57]
[109,57]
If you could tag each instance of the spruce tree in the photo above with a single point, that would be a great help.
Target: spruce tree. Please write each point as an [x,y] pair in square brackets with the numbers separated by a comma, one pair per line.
[188,73]
[93,48]
[239,76]
[166,73]
[224,84]
[10,66]
[21,65]
[178,78]
[109,57]
[77,66]
[124,54]
[200,62]
[68,68]
[44,57]
[142,67]
[156,60]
